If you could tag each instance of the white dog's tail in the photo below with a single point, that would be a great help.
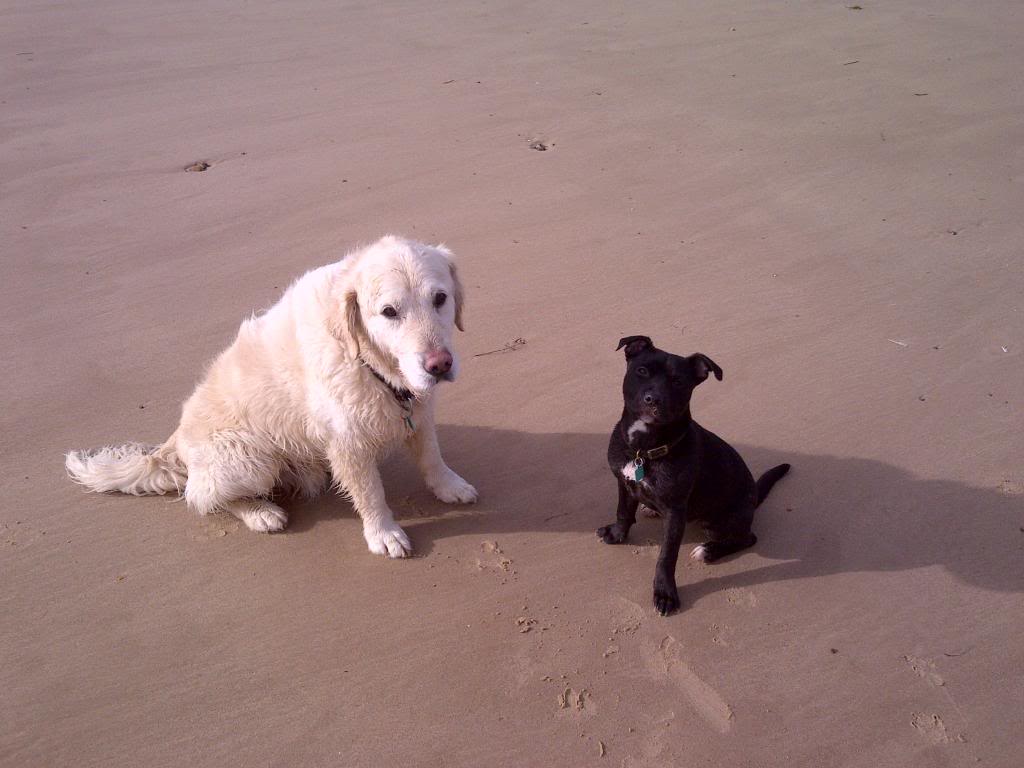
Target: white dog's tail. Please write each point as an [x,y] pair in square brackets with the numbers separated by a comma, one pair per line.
[135,468]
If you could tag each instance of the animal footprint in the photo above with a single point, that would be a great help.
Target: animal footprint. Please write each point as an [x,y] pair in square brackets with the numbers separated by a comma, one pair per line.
[925,670]
[1011,487]
[572,699]
[494,559]
[719,633]
[20,534]
[525,624]
[628,620]
[742,597]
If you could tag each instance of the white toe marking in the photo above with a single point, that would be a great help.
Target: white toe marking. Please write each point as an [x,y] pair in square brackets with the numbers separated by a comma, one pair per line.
[699,552]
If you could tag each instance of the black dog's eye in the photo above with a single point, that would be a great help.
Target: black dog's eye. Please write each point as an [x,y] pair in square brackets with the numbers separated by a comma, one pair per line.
[390,312]
[439,299]
[641,371]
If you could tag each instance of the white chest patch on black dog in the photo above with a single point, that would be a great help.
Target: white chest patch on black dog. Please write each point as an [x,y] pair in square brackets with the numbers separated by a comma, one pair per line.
[637,426]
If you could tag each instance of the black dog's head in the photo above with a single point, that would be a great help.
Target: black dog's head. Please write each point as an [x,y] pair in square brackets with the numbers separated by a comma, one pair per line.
[658,385]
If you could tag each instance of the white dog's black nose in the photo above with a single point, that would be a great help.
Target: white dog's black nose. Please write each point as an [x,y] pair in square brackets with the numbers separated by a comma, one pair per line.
[438,362]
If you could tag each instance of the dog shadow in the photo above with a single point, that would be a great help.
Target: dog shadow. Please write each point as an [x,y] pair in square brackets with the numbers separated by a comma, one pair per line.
[829,515]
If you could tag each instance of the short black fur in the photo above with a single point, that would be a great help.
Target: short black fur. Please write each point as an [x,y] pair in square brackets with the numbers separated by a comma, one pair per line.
[700,477]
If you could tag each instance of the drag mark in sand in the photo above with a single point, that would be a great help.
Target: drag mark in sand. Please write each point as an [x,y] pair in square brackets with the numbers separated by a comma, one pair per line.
[932,728]
[708,702]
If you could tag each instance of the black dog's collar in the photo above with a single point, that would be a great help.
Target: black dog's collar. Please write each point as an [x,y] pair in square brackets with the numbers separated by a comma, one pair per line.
[403,396]
[658,452]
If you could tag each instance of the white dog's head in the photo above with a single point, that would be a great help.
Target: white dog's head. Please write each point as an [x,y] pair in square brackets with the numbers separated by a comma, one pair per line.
[402,300]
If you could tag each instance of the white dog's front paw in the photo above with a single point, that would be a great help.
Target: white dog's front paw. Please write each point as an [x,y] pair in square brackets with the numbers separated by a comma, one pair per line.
[262,516]
[390,541]
[452,489]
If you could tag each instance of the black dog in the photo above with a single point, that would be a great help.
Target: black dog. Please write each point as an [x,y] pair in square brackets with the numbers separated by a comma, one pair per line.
[660,456]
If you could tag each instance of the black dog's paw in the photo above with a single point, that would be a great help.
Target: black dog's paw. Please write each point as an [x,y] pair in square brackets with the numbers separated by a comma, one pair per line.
[613,534]
[666,597]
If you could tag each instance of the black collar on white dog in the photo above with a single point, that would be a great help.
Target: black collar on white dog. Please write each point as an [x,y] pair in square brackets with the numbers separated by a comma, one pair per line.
[401,395]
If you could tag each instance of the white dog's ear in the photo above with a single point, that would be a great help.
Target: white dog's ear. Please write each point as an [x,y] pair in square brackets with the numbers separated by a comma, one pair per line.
[458,297]
[353,323]
[346,324]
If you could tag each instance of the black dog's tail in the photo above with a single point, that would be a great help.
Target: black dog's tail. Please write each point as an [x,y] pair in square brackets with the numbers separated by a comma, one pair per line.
[768,479]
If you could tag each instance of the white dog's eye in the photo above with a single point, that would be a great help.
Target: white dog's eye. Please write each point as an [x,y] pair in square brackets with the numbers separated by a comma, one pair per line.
[390,312]
[439,299]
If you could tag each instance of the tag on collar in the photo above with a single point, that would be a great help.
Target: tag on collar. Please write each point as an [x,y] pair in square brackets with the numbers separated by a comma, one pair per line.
[638,468]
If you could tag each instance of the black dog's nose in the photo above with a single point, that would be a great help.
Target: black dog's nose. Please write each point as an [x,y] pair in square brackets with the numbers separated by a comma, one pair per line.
[651,399]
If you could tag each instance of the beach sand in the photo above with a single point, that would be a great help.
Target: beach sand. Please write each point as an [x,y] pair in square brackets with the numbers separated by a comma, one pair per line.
[826,199]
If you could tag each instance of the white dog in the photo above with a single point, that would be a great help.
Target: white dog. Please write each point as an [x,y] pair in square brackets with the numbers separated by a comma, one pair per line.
[341,370]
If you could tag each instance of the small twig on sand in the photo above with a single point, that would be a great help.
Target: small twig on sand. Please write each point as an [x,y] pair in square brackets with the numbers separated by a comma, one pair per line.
[900,343]
[848,63]
[552,517]
[510,346]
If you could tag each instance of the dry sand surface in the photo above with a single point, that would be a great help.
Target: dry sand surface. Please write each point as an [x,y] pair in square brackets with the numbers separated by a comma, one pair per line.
[828,200]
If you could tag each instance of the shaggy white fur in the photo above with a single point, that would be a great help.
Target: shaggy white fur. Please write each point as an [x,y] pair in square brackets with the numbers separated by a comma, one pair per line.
[294,397]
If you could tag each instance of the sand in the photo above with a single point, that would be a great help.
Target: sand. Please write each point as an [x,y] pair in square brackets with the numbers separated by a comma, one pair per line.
[825,200]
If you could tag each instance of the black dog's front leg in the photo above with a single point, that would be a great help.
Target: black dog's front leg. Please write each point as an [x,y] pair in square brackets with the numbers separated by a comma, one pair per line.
[625,516]
[666,596]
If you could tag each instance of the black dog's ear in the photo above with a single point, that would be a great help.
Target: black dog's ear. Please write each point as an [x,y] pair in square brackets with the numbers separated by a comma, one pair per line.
[634,345]
[703,365]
